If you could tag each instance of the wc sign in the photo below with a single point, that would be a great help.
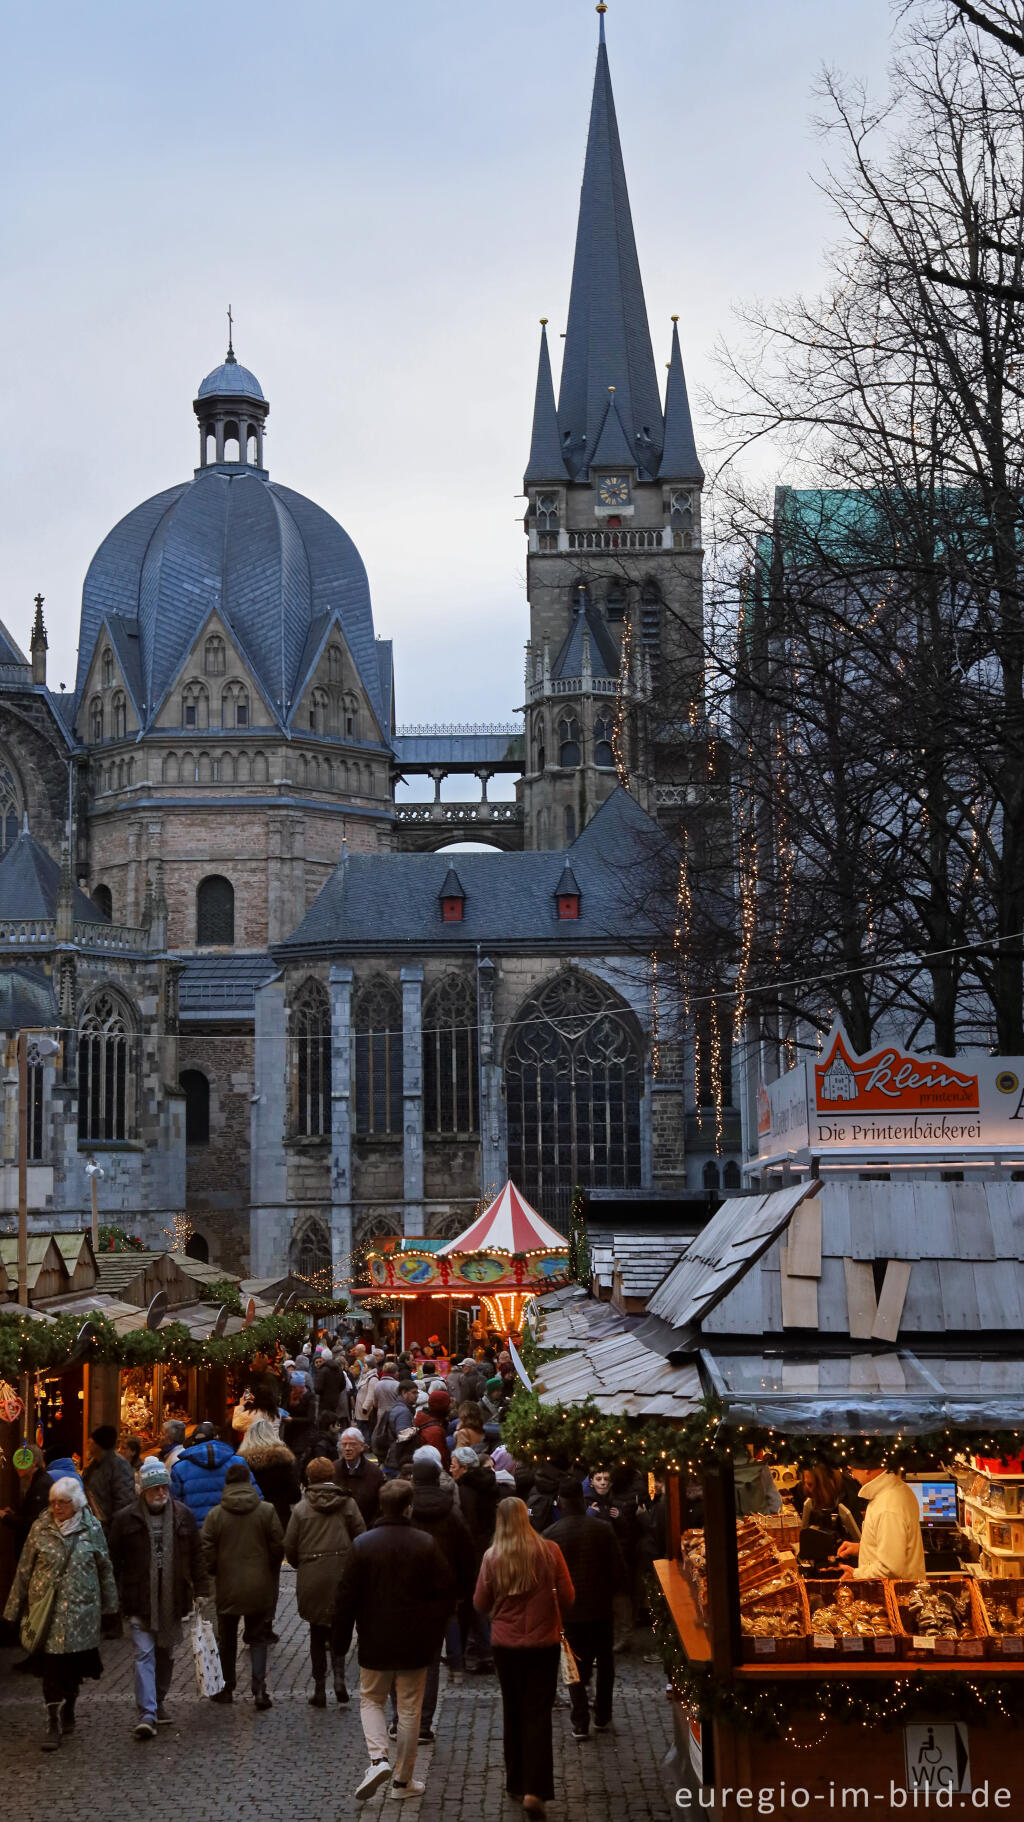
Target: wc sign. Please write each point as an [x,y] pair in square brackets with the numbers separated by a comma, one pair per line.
[938,1758]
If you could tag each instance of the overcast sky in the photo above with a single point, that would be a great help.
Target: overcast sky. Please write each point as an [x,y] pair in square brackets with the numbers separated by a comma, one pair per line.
[387,197]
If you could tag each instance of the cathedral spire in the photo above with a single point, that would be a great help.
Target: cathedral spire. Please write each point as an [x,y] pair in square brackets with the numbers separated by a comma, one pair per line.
[679,456]
[608,341]
[545,463]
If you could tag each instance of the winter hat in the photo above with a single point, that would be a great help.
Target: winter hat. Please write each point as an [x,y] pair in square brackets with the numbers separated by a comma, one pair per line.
[438,1399]
[153,1474]
[466,1458]
[427,1453]
[104,1436]
[502,1459]
[425,1473]
[319,1469]
[505,1479]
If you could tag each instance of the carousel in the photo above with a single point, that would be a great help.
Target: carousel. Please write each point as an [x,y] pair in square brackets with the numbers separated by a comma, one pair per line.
[478,1284]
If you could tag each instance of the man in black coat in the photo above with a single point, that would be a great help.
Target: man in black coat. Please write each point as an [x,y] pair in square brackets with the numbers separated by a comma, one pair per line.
[478,1503]
[598,1570]
[358,1473]
[397,1589]
[434,1511]
[154,1548]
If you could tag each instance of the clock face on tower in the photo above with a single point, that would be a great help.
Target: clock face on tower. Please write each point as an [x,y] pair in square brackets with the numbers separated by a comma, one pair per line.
[613,490]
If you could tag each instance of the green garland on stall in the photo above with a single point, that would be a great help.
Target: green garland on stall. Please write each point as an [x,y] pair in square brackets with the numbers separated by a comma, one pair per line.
[581,1434]
[224,1291]
[769,1709]
[321,1306]
[30,1346]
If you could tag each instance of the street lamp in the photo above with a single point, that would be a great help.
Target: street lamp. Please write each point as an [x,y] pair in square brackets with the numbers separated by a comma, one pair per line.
[94,1171]
[34,1047]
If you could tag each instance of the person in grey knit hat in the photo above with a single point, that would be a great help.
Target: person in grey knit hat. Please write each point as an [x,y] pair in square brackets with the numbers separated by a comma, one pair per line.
[154,1548]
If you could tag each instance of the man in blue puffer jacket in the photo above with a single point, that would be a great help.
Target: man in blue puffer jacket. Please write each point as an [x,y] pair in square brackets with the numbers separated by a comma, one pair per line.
[197,1477]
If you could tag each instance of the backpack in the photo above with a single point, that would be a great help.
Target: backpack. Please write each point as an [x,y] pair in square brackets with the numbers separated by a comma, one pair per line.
[364,1396]
[383,1435]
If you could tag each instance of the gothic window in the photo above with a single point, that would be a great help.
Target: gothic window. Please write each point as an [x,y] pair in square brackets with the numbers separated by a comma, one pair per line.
[214,656]
[96,718]
[570,825]
[311,1256]
[573,1082]
[311,1061]
[120,714]
[195,706]
[681,511]
[108,668]
[318,712]
[710,1175]
[377,1021]
[215,911]
[106,1073]
[547,512]
[350,716]
[103,900]
[615,601]
[234,706]
[450,1069]
[603,752]
[196,1088]
[10,819]
[732,1176]
[568,741]
[335,664]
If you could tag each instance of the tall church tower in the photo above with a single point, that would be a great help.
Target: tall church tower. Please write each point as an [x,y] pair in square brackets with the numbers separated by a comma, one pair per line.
[613,521]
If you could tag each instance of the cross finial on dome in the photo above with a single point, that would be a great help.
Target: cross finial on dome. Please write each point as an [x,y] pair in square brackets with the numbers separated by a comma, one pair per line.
[230,356]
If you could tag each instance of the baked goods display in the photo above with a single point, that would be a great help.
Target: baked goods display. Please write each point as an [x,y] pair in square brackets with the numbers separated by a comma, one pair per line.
[849,1615]
[933,1611]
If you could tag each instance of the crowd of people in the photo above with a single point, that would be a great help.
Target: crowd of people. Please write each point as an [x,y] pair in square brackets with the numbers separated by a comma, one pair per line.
[384,1482]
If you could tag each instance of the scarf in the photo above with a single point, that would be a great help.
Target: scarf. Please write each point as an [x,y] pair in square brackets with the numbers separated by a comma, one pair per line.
[163,1620]
[68,1526]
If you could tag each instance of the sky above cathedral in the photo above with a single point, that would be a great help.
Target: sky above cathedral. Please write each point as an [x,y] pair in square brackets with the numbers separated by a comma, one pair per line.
[387,198]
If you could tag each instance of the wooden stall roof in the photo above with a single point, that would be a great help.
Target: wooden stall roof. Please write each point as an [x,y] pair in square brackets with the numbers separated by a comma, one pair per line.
[743,1228]
[48,1274]
[76,1250]
[137,1277]
[204,1273]
[624,1378]
[126,1317]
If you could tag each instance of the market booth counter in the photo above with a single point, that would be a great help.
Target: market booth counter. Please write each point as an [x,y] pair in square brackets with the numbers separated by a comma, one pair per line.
[839,1323]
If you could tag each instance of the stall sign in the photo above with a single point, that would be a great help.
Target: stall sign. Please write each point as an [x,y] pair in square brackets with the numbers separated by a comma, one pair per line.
[890,1098]
[937,1757]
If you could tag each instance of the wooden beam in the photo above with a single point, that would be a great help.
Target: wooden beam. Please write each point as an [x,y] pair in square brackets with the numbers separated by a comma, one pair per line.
[799,1296]
[722,1566]
[861,1308]
[886,1326]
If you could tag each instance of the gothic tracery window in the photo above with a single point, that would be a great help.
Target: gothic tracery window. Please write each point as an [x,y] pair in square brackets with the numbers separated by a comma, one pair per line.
[604,754]
[450,1065]
[120,713]
[10,808]
[573,1082]
[377,1023]
[311,1060]
[106,1073]
[214,656]
[311,1255]
[568,741]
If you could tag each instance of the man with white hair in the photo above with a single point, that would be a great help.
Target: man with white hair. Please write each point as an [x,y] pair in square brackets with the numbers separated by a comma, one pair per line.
[358,1473]
[154,1547]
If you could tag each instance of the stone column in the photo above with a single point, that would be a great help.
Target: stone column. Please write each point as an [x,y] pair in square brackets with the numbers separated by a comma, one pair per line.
[493,1143]
[412,1097]
[341,1119]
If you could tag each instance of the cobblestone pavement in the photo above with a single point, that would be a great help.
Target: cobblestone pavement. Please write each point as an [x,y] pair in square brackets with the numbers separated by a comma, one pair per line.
[234,1765]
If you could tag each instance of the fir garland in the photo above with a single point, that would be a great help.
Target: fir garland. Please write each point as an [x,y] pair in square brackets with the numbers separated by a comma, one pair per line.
[30,1346]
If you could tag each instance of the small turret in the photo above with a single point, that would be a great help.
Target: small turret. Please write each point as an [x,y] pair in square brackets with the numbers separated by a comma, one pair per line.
[39,644]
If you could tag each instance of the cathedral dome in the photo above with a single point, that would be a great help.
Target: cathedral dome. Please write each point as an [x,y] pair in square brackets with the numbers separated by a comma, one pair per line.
[274,566]
[230,380]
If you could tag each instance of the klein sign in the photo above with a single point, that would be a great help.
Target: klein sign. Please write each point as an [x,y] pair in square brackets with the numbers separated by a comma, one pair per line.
[892,1100]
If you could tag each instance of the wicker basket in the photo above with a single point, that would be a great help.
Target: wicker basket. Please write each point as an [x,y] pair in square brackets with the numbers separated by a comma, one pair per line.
[778,1651]
[910,1645]
[886,1646]
[997,1594]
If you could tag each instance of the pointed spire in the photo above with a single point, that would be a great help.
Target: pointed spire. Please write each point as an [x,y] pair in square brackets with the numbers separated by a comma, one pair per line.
[545,463]
[612,448]
[679,456]
[608,341]
[229,358]
[38,644]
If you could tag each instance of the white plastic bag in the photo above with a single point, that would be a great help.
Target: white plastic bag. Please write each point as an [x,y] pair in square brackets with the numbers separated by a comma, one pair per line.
[206,1657]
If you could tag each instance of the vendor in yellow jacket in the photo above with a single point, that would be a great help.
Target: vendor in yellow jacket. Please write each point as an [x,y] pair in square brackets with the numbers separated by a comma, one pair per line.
[890,1543]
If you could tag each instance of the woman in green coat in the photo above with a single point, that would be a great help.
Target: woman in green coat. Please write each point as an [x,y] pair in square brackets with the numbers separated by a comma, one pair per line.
[65,1556]
[317,1543]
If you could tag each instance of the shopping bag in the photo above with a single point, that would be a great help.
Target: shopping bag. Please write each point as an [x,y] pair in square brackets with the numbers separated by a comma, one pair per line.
[568,1667]
[206,1657]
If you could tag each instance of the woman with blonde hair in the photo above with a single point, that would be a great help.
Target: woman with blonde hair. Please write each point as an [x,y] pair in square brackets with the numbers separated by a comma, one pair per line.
[272,1466]
[526,1588]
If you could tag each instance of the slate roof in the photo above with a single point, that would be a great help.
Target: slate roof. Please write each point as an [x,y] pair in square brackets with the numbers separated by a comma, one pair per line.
[231,380]
[271,562]
[10,650]
[613,447]
[26,998]
[679,457]
[222,983]
[373,901]
[608,340]
[604,659]
[30,884]
[545,462]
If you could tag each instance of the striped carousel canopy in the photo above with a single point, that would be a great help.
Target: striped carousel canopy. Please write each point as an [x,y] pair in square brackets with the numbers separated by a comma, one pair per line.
[509,1225]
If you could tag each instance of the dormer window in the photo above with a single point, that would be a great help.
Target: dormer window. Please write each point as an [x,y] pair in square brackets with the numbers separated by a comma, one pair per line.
[567,896]
[453,898]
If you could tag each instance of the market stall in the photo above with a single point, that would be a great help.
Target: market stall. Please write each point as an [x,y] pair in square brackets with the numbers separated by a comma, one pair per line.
[506,1256]
[864,1331]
